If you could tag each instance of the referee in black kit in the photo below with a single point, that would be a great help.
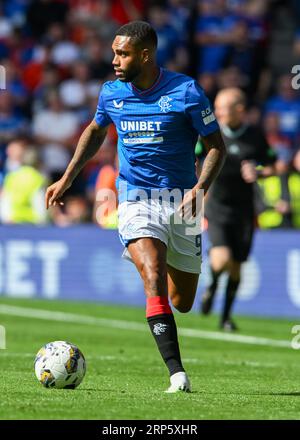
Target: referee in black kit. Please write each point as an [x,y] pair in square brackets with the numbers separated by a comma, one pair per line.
[229,206]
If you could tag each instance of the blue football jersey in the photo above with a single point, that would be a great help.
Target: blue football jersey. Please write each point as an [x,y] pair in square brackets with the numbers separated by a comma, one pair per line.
[157,130]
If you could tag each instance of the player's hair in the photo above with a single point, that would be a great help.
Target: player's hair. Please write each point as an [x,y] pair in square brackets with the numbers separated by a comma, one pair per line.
[142,34]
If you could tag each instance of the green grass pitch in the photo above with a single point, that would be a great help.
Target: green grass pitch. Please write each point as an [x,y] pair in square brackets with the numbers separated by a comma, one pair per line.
[126,378]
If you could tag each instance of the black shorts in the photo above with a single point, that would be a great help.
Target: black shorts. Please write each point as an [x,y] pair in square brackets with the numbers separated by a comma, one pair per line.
[236,236]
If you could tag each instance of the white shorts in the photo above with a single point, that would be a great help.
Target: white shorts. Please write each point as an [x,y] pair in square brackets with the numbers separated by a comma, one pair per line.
[149,218]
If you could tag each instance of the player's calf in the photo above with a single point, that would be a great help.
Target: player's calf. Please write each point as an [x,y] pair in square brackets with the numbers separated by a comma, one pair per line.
[163,328]
[182,287]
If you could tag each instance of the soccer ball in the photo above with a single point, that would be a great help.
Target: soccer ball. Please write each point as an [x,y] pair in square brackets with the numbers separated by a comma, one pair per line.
[60,364]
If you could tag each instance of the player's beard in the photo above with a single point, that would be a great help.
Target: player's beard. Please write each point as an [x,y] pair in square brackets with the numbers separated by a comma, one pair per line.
[130,74]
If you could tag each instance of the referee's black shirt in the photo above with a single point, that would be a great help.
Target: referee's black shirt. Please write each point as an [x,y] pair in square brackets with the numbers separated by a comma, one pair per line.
[230,197]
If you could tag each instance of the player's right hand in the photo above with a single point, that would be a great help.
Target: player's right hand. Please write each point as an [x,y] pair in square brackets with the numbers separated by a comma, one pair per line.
[55,192]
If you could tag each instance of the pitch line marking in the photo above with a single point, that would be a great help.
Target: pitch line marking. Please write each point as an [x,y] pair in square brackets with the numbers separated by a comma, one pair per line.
[48,315]
[125,359]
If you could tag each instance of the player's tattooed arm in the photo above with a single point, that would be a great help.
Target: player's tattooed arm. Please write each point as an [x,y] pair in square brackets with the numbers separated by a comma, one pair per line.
[214,160]
[88,145]
[216,153]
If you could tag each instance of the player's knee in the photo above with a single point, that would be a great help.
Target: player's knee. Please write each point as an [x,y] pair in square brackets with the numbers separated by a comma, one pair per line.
[182,307]
[221,263]
[218,266]
[220,259]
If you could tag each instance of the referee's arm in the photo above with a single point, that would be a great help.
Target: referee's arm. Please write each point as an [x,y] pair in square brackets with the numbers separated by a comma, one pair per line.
[263,165]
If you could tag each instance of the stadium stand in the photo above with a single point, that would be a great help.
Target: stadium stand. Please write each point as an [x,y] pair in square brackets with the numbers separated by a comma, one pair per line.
[56,54]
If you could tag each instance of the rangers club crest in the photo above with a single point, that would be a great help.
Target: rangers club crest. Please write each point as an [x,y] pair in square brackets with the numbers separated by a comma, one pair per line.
[164,104]
[159,328]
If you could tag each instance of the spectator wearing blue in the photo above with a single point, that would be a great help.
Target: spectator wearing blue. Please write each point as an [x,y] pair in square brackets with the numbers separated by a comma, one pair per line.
[180,17]
[215,33]
[168,38]
[15,11]
[249,52]
[286,104]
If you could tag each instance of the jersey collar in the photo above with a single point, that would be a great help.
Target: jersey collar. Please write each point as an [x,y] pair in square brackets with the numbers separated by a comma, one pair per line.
[150,89]
[233,134]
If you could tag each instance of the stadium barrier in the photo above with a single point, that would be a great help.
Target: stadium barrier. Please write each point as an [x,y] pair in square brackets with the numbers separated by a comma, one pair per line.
[84,263]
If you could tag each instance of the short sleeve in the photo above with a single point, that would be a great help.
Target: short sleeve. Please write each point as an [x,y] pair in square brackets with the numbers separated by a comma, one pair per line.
[101,116]
[199,110]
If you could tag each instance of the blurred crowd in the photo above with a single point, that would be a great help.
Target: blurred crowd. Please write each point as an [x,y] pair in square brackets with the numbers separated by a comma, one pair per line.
[57,53]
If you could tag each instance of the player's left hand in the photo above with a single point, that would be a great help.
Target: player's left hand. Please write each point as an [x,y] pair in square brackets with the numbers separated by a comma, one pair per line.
[191,204]
[248,171]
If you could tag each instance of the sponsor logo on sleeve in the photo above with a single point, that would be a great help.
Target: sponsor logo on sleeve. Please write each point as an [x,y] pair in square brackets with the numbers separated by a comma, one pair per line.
[207,116]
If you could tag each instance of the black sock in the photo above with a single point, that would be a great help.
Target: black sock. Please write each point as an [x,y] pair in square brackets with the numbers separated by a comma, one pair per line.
[163,328]
[231,289]
[215,277]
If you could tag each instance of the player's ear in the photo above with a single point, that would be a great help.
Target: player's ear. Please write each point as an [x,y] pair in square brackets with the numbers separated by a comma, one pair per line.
[145,55]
